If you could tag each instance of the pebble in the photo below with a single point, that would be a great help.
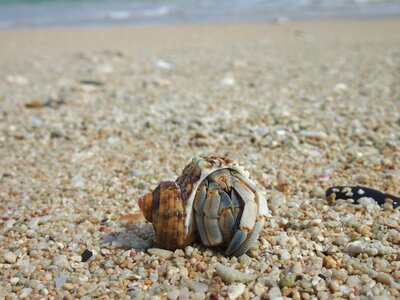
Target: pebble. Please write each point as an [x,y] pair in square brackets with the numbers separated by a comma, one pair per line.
[86,255]
[285,255]
[228,81]
[68,286]
[317,135]
[60,260]
[339,275]
[103,69]
[161,253]
[244,259]
[17,79]
[10,257]
[288,280]
[274,293]
[258,289]
[297,269]
[173,295]
[371,248]
[25,292]
[162,64]
[310,223]
[230,275]
[333,286]
[59,281]
[172,271]
[37,121]
[329,262]
[77,182]
[340,87]
[36,285]
[235,290]
[198,296]
[383,278]
[189,250]
[198,287]
[184,293]
[353,281]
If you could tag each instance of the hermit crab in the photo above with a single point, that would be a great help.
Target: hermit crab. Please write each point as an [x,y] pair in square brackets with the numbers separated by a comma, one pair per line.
[213,201]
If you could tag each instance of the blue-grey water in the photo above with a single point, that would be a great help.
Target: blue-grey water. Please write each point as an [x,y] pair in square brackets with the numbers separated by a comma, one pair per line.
[92,13]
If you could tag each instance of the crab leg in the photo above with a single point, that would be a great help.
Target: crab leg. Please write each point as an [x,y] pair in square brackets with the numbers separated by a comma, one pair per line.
[247,231]
[211,209]
[199,212]
[248,228]
[226,223]
[235,199]
[211,203]
[222,178]
[249,216]
[237,240]
[213,231]
[245,193]
[237,212]
[242,249]
[244,179]
[226,220]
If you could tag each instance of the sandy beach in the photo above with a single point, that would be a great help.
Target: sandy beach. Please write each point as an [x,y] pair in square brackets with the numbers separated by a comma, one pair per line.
[91,119]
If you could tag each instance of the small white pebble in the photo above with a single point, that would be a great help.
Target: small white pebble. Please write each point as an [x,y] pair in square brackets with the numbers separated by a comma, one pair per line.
[258,289]
[10,257]
[25,293]
[172,271]
[198,296]
[161,252]
[162,64]
[274,292]
[189,250]
[228,81]
[173,295]
[340,87]
[285,255]
[235,290]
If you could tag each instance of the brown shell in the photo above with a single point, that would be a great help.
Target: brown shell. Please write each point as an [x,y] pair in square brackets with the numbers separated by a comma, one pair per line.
[165,208]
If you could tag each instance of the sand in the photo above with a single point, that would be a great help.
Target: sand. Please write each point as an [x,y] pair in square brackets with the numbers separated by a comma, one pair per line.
[91,119]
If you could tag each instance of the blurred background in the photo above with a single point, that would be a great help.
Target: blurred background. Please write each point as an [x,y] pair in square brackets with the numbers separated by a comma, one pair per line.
[93,13]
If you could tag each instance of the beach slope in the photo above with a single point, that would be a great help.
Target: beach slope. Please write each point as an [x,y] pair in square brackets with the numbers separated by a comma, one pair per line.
[91,119]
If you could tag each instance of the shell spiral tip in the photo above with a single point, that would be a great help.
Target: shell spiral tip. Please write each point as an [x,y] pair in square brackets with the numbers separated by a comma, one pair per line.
[146,206]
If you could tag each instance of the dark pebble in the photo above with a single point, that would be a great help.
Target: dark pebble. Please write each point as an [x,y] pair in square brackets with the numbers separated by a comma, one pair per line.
[86,255]
[336,192]
[104,221]
[322,276]
[91,82]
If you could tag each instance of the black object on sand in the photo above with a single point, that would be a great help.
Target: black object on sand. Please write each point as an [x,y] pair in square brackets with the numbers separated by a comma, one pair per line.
[86,255]
[358,192]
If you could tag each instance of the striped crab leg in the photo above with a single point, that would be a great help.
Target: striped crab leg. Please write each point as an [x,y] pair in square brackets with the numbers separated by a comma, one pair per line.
[249,227]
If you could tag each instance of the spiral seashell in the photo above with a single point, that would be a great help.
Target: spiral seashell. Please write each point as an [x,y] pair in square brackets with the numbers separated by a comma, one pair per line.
[212,201]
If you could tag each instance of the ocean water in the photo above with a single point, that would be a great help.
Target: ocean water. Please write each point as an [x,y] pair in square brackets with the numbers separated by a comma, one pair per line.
[93,13]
